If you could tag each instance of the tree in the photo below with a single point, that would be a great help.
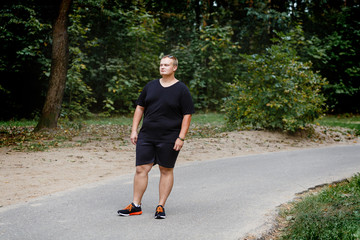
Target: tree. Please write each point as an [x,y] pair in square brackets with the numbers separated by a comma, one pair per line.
[331,31]
[59,64]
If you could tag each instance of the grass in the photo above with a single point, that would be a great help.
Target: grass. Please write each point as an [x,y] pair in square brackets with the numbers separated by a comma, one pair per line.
[332,213]
[209,118]
[21,123]
[119,120]
[345,121]
[198,118]
[19,135]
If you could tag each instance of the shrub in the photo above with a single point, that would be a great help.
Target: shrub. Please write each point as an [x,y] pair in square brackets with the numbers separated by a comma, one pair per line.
[275,91]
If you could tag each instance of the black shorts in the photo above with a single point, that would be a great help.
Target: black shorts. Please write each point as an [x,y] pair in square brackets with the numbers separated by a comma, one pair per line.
[156,153]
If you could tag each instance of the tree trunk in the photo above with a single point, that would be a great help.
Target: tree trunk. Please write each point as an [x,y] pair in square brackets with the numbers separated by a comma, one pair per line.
[59,64]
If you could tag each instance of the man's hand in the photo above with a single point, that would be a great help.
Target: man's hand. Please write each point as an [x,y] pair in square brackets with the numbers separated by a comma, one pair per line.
[178,144]
[134,137]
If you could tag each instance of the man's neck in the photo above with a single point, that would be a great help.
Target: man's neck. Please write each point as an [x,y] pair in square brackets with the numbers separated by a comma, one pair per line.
[168,79]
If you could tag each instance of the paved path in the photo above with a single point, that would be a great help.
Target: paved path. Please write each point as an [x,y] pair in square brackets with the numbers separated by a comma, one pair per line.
[220,199]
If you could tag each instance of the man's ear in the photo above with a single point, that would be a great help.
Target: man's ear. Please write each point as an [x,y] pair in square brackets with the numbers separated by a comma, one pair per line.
[175,68]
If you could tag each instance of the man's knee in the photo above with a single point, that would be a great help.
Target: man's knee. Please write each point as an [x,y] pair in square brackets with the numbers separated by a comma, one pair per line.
[143,169]
[166,171]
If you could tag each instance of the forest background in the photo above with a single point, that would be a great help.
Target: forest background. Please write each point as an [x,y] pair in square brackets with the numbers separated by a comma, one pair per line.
[268,55]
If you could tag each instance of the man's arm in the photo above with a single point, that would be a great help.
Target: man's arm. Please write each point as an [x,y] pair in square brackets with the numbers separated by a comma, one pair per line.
[139,111]
[184,129]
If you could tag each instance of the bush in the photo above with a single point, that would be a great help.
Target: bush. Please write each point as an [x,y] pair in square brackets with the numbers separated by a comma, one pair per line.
[275,91]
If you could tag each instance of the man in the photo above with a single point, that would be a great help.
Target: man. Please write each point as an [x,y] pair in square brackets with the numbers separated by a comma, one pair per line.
[167,106]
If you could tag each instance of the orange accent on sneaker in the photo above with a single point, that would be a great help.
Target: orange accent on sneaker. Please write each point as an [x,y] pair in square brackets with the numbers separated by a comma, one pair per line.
[136,213]
[159,209]
[128,207]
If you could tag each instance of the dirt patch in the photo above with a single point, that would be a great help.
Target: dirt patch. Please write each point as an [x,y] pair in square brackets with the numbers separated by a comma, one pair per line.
[28,175]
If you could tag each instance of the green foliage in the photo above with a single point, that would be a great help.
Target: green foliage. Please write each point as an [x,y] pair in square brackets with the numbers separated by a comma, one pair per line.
[22,30]
[334,31]
[132,71]
[24,44]
[343,68]
[259,25]
[115,47]
[78,96]
[207,66]
[275,91]
[125,57]
[332,214]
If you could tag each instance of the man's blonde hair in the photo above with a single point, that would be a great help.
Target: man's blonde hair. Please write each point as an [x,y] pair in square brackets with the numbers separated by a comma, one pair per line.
[175,61]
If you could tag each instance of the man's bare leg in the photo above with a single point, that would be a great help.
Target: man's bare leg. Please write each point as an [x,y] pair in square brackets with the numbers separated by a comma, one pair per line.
[141,182]
[166,183]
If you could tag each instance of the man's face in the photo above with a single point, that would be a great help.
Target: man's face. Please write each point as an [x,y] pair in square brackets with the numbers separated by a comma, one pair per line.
[167,67]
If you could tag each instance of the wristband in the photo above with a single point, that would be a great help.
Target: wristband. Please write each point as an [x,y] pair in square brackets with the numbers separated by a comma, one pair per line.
[182,139]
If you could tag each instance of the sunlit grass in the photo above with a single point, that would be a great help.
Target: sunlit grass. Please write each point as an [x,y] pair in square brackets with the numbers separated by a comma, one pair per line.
[333,213]
[20,133]
[212,118]
[20,136]
[117,120]
[209,118]
[345,121]
[18,123]
[197,118]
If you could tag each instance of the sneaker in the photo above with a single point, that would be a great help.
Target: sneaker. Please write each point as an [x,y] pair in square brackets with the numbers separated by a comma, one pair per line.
[131,209]
[160,212]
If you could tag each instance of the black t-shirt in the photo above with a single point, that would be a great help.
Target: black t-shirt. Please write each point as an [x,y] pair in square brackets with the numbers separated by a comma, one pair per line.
[165,108]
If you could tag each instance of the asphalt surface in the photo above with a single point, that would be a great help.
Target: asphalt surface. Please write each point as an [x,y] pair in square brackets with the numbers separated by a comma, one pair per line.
[217,199]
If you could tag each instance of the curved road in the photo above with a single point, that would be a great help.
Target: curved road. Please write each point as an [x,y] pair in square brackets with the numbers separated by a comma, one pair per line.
[219,199]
